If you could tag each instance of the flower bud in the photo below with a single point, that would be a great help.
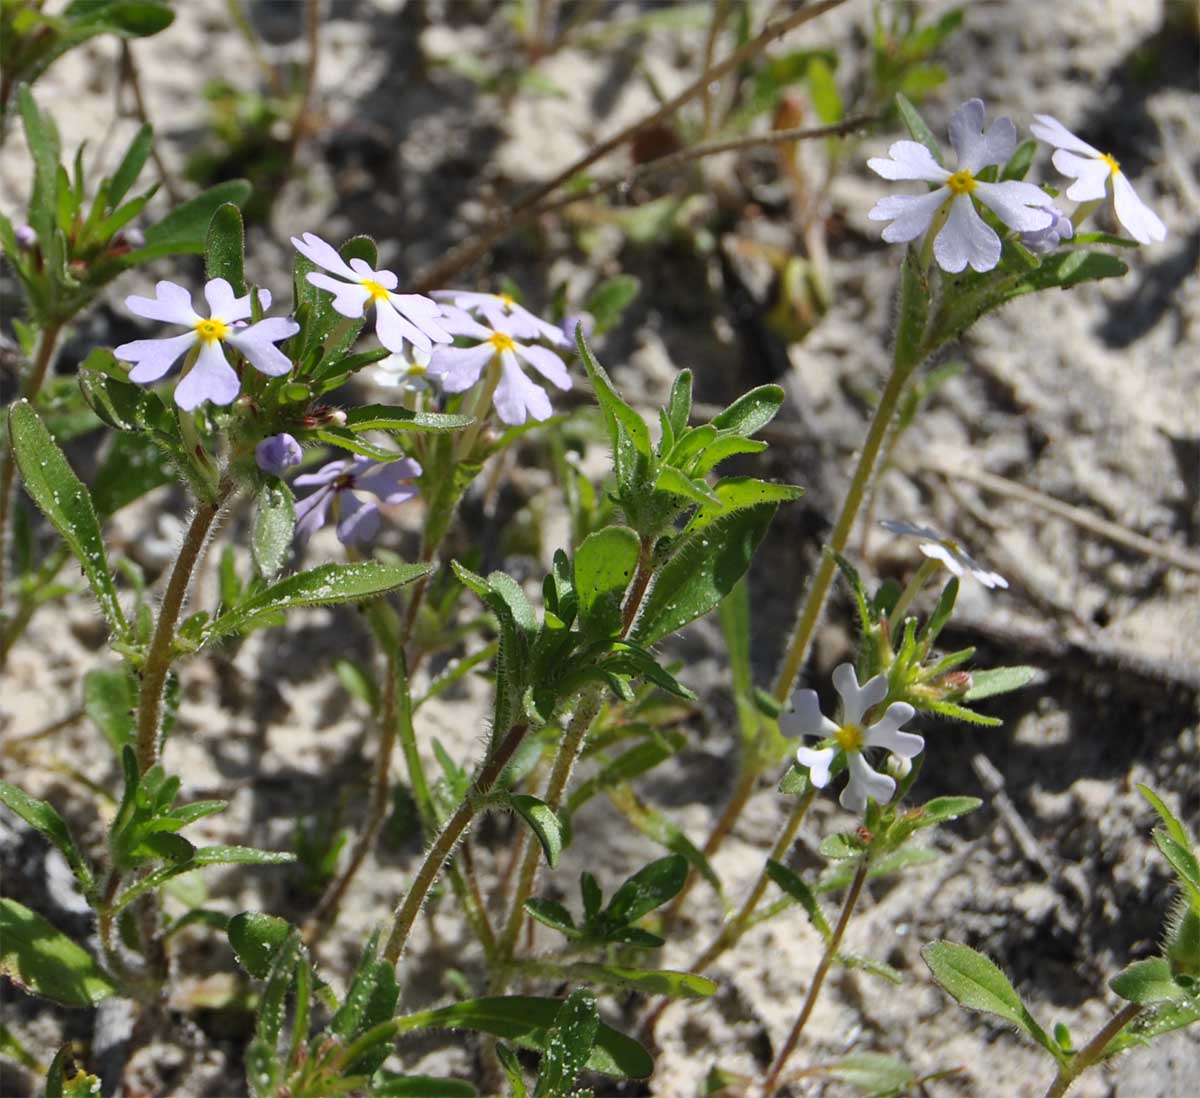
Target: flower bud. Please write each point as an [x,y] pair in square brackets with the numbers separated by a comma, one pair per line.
[277,454]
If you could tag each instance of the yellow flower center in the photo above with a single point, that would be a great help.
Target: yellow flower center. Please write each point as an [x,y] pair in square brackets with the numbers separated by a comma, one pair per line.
[1111,161]
[850,738]
[377,292]
[961,183]
[415,369]
[212,331]
[501,342]
[506,300]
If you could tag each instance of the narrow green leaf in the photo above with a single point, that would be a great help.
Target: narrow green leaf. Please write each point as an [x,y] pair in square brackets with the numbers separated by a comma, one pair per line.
[1019,163]
[650,887]
[675,985]
[40,958]
[914,311]
[678,483]
[43,817]
[802,894]
[616,411]
[941,809]
[738,493]
[131,165]
[64,500]
[385,1084]
[872,1072]
[917,127]
[272,1004]
[383,417]
[183,230]
[679,406]
[545,824]
[1148,981]
[568,1044]
[610,299]
[1165,1018]
[225,248]
[513,1071]
[256,938]
[1174,828]
[1183,861]
[110,696]
[274,527]
[552,914]
[823,89]
[999,680]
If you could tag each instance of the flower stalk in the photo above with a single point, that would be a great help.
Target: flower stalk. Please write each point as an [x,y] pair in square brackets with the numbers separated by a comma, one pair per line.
[1093,1050]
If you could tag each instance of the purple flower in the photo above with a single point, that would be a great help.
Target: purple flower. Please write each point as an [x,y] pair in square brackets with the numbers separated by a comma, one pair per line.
[573,320]
[1044,241]
[398,317]
[26,236]
[501,311]
[337,483]
[209,376]
[277,454]
[517,398]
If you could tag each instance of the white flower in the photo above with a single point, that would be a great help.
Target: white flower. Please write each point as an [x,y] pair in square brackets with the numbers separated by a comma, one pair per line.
[501,311]
[210,377]
[851,737]
[403,372]
[398,317]
[946,550]
[965,237]
[1093,171]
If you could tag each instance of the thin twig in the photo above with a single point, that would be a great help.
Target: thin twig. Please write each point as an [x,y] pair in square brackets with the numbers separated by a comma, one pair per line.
[129,73]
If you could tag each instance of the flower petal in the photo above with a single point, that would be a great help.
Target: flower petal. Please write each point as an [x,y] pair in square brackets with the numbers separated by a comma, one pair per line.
[171,303]
[976,149]
[277,454]
[806,718]
[516,396]
[856,700]
[211,379]
[818,763]
[1091,176]
[327,474]
[909,160]
[910,530]
[362,270]
[154,357]
[222,304]
[547,363]
[358,522]
[935,550]
[423,313]
[312,511]
[258,341]
[885,732]
[864,782]
[458,368]
[349,298]
[323,254]
[394,330]
[390,480]
[1138,220]
[966,238]
[1049,129]
[1019,205]
[910,215]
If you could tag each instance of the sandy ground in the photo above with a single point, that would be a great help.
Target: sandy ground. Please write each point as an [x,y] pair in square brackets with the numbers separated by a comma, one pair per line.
[1091,398]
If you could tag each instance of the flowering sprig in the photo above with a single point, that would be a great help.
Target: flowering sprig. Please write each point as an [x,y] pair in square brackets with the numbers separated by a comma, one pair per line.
[851,737]
[947,551]
[336,486]
[208,376]
[503,312]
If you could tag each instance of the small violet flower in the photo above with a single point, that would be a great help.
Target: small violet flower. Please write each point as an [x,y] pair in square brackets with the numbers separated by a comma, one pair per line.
[965,237]
[398,317]
[336,485]
[210,376]
[458,368]
[501,311]
[1093,172]
[851,738]
[405,371]
[27,237]
[277,454]
[1044,241]
[946,550]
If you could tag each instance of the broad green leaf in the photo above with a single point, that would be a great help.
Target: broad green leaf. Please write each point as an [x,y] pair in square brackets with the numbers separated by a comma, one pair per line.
[802,894]
[568,1045]
[129,18]
[256,938]
[678,483]
[40,958]
[999,680]
[751,412]
[975,982]
[64,500]
[324,585]
[386,1084]
[604,564]
[552,914]
[545,824]
[941,809]
[917,127]
[274,527]
[738,493]
[1148,981]
[1158,1020]
[131,165]
[650,887]
[872,1072]
[225,248]
[110,698]
[133,467]
[383,417]
[183,230]
[43,817]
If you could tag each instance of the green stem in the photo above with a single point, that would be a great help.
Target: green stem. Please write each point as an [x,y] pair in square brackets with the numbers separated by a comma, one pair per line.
[810,1001]
[161,652]
[443,846]
[1093,1050]
[929,568]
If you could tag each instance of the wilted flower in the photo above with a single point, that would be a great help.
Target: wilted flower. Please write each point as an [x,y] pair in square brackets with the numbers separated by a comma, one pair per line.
[1093,171]
[337,484]
[458,368]
[277,454]
[210,376]
[398,317]
[965,237]
[1044,241]
[502,311]
[946,550]
[851,738]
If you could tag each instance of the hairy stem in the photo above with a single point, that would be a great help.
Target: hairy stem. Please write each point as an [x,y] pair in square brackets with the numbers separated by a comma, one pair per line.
[810,1001]
[1093,1050]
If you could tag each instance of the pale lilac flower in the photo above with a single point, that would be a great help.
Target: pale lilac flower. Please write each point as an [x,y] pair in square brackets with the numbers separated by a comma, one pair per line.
[1044,241]
[405,371]
[1093,172]
[456,369]
[851,738]
[502,311]
[26,235]
[946,550]
[575,320]
[210,376]
[337,484]
[398,317]
[277,454]
[965,237]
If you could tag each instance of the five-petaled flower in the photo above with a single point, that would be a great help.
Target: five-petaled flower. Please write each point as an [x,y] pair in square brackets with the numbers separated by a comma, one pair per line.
[850,736]
[210,376]
[1044,241]
[1094,172]
[398,317]
[406,371]
[965,237]
[456,369]
[946,550]
[336,485]
[502,311]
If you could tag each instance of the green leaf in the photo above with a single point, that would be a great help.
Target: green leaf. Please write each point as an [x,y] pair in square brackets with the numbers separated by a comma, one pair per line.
[43,817]
[324,585]
[274,527]
[513,1071]
[552,914]
[44,961]
[118,402]
[198,859]
[545,824]
[941,809]
[64,500]
[650,887]
[659,828]
[1183,861]
[975,982]
[1174,828]
[610,299]
[225,248]
[568,1045]
[679,405]
[1020,161]
[616,411]
[604,565]
[702,571]
[1154,1023]
[131,166]
[738,493]
[872,1072]
[916,126]
[271,1006]
[385,1084]
[823,90]
[184,229]
[914,311]
[675,985]
[1148,981]
[999,680]
[134,466]
[256,938]
[110,698]
[751,412]
[527,1021]
[679,483]
[129,18]
[382,417]
[802,894]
